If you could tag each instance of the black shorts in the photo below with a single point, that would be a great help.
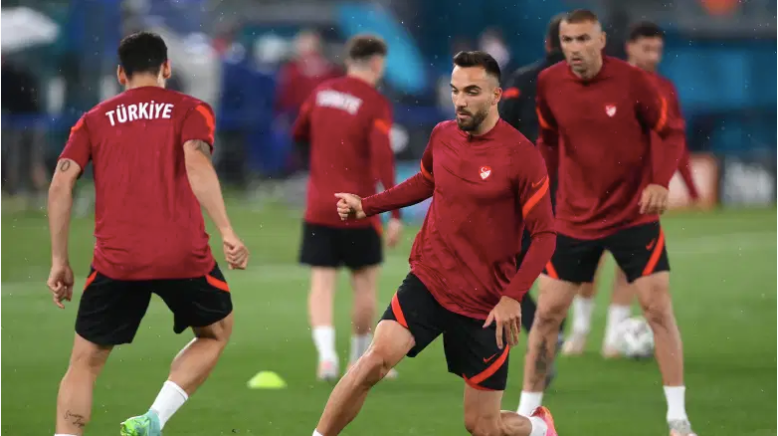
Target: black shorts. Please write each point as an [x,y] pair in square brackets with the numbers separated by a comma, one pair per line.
[471,350]
[111,310]
[334,247]
[639,251]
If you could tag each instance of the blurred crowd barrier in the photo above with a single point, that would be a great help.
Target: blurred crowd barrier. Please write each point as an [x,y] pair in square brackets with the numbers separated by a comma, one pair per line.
[254,62]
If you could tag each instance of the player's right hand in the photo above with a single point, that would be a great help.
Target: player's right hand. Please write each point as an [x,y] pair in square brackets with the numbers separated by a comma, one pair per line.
[653,200]
[61,283]
[349,206]
[235,252]
[507,317]
[393,232]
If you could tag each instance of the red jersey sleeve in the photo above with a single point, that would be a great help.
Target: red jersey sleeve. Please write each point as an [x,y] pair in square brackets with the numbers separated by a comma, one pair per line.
[684,167]
[414,190]
[381,153]
[199,124]
[655,113]
[79,147]
[548,138]
[535,201]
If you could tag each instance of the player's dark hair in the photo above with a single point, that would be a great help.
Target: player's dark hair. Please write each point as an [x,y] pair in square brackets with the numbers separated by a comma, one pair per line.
[581,16]
[142,52]
[467,59]
[645,29]
[365,46]
[552,32]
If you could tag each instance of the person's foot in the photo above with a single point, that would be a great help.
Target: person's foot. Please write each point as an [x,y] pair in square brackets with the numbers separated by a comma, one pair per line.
[544,414]
[328,371]
[609,351]
[681,427]
[144,425]
[574,345]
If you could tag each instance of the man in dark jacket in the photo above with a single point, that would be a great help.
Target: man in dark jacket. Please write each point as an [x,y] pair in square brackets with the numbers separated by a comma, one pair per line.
[517,107]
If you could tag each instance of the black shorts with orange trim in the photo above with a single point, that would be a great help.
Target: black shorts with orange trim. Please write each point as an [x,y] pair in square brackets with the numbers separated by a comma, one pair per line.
[333,247]
[110,311]
[639,251]
[471,350]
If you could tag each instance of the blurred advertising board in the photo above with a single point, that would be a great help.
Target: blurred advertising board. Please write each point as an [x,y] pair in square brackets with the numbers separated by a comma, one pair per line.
[748,180]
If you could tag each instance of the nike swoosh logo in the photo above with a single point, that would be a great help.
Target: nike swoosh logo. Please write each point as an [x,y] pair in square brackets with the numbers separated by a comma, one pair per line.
[489,359]
[536,184]
[651,244]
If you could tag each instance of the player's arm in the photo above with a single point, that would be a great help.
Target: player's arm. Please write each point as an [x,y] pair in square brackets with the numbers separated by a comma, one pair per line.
[381,153]
[535,201]
[72,161]
[205,183]
[655,113]
[515,100]
[684,167]
[301,129]
[412,191]
[548,137]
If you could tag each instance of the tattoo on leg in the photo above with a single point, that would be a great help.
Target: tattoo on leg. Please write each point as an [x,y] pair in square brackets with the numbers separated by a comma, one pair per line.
[542,362]
[75,419]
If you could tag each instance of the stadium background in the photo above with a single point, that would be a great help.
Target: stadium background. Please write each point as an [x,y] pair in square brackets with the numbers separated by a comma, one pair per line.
[58,60]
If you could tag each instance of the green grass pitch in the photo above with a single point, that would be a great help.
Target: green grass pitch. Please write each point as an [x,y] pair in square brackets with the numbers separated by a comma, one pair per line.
[724,288]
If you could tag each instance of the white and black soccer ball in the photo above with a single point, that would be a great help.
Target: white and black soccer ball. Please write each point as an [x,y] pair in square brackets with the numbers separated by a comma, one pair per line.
[635,338]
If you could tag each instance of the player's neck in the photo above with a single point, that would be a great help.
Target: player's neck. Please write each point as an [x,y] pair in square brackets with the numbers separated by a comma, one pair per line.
[592,72]
[143,81]
[487,124]
[365,76]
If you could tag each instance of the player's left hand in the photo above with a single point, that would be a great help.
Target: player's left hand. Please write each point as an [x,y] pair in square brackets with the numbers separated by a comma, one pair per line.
[235,252]
[393,232]
[507,315]
[653,200]
[60,283]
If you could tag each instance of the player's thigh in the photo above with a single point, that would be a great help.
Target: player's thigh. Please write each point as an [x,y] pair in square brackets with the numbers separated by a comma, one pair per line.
[415,309]
[110,311]
[197,302]
[391,343]
[89,355]
[472,353]
[555,297]
[318,246]
[574,260]
[360,248]
[365,280]
[482,409]
[640,251]
[654,295]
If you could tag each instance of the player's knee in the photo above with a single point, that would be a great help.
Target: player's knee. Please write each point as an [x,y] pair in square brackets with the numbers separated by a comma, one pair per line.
[220,331]
[479,425]
[550,314]
[371,367]
[658,311]
[88,356]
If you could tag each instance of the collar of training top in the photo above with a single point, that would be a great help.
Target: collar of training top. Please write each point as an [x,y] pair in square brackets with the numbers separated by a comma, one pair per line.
[604,73]
[486,136]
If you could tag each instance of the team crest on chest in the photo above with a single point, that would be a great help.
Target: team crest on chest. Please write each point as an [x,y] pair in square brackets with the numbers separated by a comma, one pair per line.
[485,172]
[610,110]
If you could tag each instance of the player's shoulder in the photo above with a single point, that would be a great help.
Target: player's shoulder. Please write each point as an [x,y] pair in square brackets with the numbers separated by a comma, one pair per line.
[552,71]
[512,137]
[526,73]
[444,127]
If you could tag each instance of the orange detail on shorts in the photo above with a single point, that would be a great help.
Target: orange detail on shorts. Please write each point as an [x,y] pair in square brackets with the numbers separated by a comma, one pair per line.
[209,121]
[535,198]
[378,227]
[426,173]
[550,271]
[512,93]
[542,121]
[652,261]
[489,371]
[660,123]
[90,279]
[383,126]
[216,283]
[398,312]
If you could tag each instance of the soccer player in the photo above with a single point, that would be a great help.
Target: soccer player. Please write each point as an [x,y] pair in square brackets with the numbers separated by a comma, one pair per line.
[596,115]
[347,122]
[644,50]
[486,182]
[151,153]
[517,107]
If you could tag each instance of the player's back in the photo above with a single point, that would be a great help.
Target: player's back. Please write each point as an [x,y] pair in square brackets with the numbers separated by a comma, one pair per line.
[342,113]
[148,223]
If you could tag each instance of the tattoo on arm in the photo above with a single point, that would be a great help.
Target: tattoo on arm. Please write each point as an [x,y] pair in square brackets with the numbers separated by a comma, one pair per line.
[64,165]
[75,419]
[202,147]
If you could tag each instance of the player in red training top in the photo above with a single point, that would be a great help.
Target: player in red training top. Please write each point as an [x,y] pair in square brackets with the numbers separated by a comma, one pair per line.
[347,122]
[644,50]
[151,153]
[487,182]
[596,115]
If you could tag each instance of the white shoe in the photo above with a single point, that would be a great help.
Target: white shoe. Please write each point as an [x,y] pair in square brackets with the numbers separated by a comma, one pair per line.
[328,371]
[574,345]
[609,351]
[681,428]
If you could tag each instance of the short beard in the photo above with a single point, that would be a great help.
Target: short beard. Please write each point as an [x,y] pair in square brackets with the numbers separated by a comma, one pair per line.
[475,121]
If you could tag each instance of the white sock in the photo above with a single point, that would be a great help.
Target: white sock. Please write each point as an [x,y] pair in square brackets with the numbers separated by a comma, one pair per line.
[170,398]
[359,344]
[616,314]
[529,402]
[676,403]
[582,314]
[324,338]
[316,433]
[539,427]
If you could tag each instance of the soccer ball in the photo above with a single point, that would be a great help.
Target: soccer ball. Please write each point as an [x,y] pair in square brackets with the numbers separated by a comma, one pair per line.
[635,338]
